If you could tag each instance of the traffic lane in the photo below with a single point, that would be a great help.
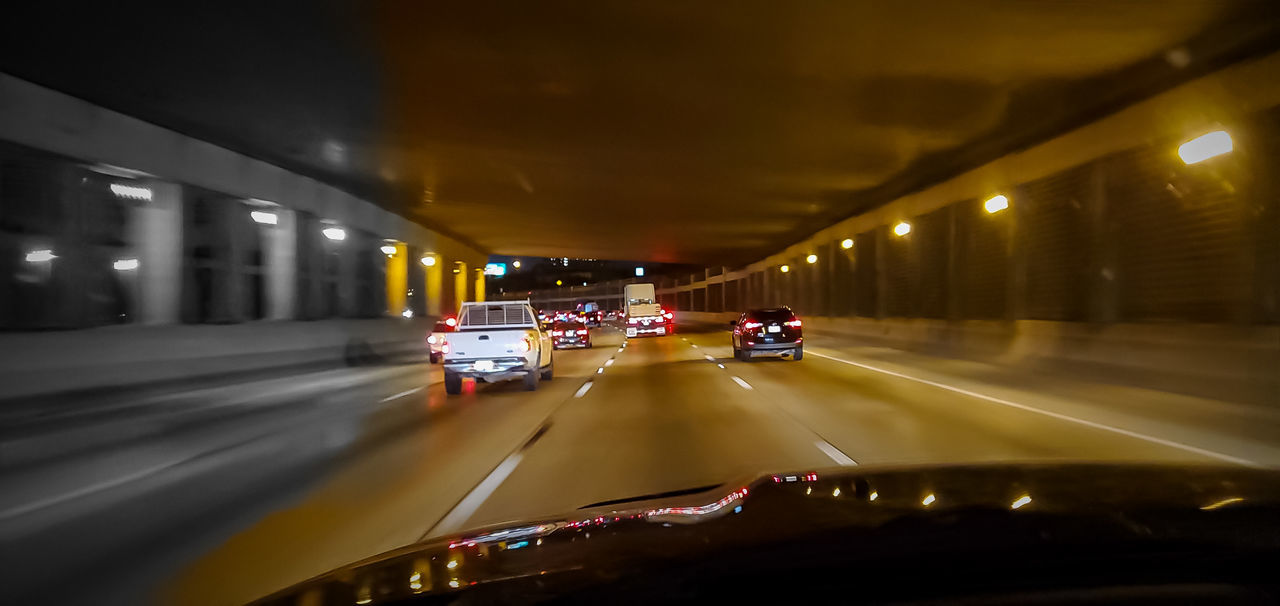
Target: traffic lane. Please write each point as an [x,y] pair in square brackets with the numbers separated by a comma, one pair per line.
[408,476]
[660,418]
[880,418]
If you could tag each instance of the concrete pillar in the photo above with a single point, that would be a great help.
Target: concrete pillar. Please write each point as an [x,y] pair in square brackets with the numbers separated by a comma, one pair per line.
[416,280]
[280,260]
[1104,293]
[434,277]
[156,234]
[479,285]
[348,261]
[882,280]
[459,284]
[397,279]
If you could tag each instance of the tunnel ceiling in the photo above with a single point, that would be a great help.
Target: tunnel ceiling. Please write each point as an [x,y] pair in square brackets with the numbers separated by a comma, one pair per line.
[689,132]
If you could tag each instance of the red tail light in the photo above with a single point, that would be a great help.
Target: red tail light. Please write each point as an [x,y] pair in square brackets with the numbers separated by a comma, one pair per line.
[557,333]
[431,339]
[451,321]
[582,332]
[751,325]
[793,323]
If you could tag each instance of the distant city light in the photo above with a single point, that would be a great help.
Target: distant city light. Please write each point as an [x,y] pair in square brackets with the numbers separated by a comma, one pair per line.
[495,269]
[125,264]
[639,272]
[264,217]
[847,243]
[584,283]
[335,233]
[997,203]
[131,192]
[516,264]
[428,260]
[388,250]
[811,259]
[784,269]
[928,500]
[41,256]
[1205,146]
[903,228]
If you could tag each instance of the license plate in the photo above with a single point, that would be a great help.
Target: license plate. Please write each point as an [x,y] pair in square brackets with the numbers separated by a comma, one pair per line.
[775,329]
[484,365]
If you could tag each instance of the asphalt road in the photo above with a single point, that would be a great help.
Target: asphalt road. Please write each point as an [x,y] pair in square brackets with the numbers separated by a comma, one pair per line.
[359,471]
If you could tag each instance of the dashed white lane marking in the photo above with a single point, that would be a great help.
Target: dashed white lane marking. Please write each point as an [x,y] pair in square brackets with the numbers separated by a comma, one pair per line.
[609,362]
[709,358]
[720,365]
[619,350]
[695,345]
[1060,416]
[402,394]
[833,452]
[741,383]
[582,391]
[600,370]
[478,495]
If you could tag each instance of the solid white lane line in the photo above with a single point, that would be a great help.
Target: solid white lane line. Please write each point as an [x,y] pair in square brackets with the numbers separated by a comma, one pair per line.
[833,452]
[402,394]
[609,362]
[582,391]
[741,383]
[478,495]
[85,491]
[1060,416]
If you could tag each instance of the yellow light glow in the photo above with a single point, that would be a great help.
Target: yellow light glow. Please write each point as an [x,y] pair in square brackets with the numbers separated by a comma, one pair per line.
[516,264]
[452,564]
[428,260]
[903,228]
[1222,503]
[874,495]
[559,282]
[836,492]
[1020,501]
[847,243]
[454,583]
[784,269]
[928,500]
[811,258]
[1205,146]
[388,250]
[996,204]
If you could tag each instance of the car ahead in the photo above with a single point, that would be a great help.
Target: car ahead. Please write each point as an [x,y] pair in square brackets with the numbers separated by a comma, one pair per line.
[435,340]
[570,334]
[494,342]
[767,331]
[1050,533]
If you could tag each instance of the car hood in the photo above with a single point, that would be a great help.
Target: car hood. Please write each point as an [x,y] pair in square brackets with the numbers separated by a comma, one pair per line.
[891,512]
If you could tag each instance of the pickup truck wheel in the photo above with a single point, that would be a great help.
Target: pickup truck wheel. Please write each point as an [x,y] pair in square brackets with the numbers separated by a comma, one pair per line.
[550,371]
[452,383]
[531,380]
[435,358]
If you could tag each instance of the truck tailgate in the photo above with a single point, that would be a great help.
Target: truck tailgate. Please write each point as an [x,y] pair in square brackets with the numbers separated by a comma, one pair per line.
[471,345]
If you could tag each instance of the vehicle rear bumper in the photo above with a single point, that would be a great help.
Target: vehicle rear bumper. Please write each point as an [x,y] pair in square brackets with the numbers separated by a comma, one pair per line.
[574,345]
[634,331]
[771,347]
[503,369]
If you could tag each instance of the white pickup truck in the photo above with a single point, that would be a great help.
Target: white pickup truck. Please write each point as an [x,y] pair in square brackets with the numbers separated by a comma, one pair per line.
[497,341]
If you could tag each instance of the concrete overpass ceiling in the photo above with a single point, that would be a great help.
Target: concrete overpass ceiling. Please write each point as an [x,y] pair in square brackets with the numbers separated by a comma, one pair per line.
[707,132]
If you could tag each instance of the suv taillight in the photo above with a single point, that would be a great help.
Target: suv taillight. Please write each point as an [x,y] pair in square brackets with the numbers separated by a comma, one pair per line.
[751,325]
[793,323]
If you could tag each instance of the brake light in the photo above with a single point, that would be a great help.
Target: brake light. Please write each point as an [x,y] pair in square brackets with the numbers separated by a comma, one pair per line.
[668,315]
[524,345]
[751,325]
[632,321]
[793,323]
[451,321]
[431,339]
[557,333]
[582,332]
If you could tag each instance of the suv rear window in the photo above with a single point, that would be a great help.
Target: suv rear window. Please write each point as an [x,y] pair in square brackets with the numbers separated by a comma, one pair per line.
[771,315]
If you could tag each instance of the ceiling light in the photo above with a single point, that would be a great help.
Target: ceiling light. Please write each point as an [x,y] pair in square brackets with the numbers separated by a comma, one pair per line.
[428,260]
[43,255]
[811,258]
[996,204]
[335,233]
[784,269]
[1205,146]
[131,192]
[902,228]
[847,243]
[388,250]
[125,264]
[264,217]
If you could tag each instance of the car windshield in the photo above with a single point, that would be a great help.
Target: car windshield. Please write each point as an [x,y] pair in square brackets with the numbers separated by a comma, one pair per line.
[804,239]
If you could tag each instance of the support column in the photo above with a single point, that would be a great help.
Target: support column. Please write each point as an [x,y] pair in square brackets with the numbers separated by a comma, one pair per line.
[156,235]
[397,282]
[280,257]
[479,285]
[435,285]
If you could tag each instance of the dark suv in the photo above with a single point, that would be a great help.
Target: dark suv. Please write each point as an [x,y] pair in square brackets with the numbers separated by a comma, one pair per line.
[767,331]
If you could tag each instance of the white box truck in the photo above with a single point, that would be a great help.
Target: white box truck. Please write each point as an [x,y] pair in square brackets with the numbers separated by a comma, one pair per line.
[643,314]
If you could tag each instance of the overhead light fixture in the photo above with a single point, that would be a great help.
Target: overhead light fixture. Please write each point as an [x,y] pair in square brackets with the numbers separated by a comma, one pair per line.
[336,234]
[428,260]
[996,203]
[811,259]
[43,255]
[902,228]
[847,243]
[388,250]
[125,264]
[264,217]
[1205,146]
[131,192]
[784,269]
